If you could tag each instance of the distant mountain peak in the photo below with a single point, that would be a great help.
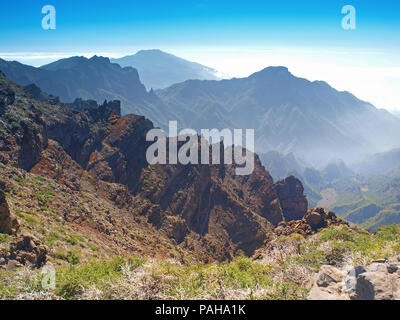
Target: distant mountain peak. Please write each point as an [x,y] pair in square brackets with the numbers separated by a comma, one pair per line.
[99,59]
[288,113]
[146,51]
[159,69]
[71,62]
[275,71]
[95,78]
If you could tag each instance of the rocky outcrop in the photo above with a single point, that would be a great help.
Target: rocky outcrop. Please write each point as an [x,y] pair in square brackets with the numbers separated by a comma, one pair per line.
[84,105]
[8,223]
[81,133]
[378,281]
[80,104]
[314,220]
[23,131]
[39,95]
[291,196]
[121,155]
[34,141]
[56,164]
[25,250]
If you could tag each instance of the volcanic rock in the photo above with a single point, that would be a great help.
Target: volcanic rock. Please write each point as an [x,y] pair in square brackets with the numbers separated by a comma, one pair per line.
[314,220]
[26,250]
[290,192]
[8,223]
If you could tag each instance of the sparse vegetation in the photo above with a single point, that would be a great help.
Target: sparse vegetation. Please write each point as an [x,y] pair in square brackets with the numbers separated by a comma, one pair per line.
[282,273]
[340,245]
[4,238]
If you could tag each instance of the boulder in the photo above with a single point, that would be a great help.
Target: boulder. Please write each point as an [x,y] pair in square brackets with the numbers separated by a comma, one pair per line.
[350,283]
[351,278]
[327,284]
[356,271]
[332,273]
[396,285]
[314,219]
[374,286]
[378,281]
[318,293]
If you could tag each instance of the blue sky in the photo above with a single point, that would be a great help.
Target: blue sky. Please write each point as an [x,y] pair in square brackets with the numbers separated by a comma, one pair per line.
[235,37]
[207,22]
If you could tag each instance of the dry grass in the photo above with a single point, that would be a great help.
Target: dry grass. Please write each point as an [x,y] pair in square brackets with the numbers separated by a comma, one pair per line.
[283,271]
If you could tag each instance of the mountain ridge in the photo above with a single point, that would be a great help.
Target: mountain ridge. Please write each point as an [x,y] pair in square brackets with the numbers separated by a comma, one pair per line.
[90,79]
[159,69]
[289,114]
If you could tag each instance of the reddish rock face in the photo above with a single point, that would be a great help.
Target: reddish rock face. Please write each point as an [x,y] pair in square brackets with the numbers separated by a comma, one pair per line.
[56,164]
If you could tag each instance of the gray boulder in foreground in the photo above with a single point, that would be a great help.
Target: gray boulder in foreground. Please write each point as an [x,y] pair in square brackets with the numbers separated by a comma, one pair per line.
[378,281]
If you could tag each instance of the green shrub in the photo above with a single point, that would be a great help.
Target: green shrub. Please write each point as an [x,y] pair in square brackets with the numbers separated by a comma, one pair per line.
[243,273]
[38,179]
[44,197]
[20,181]
[71,279]
[73,257]
[5,238]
